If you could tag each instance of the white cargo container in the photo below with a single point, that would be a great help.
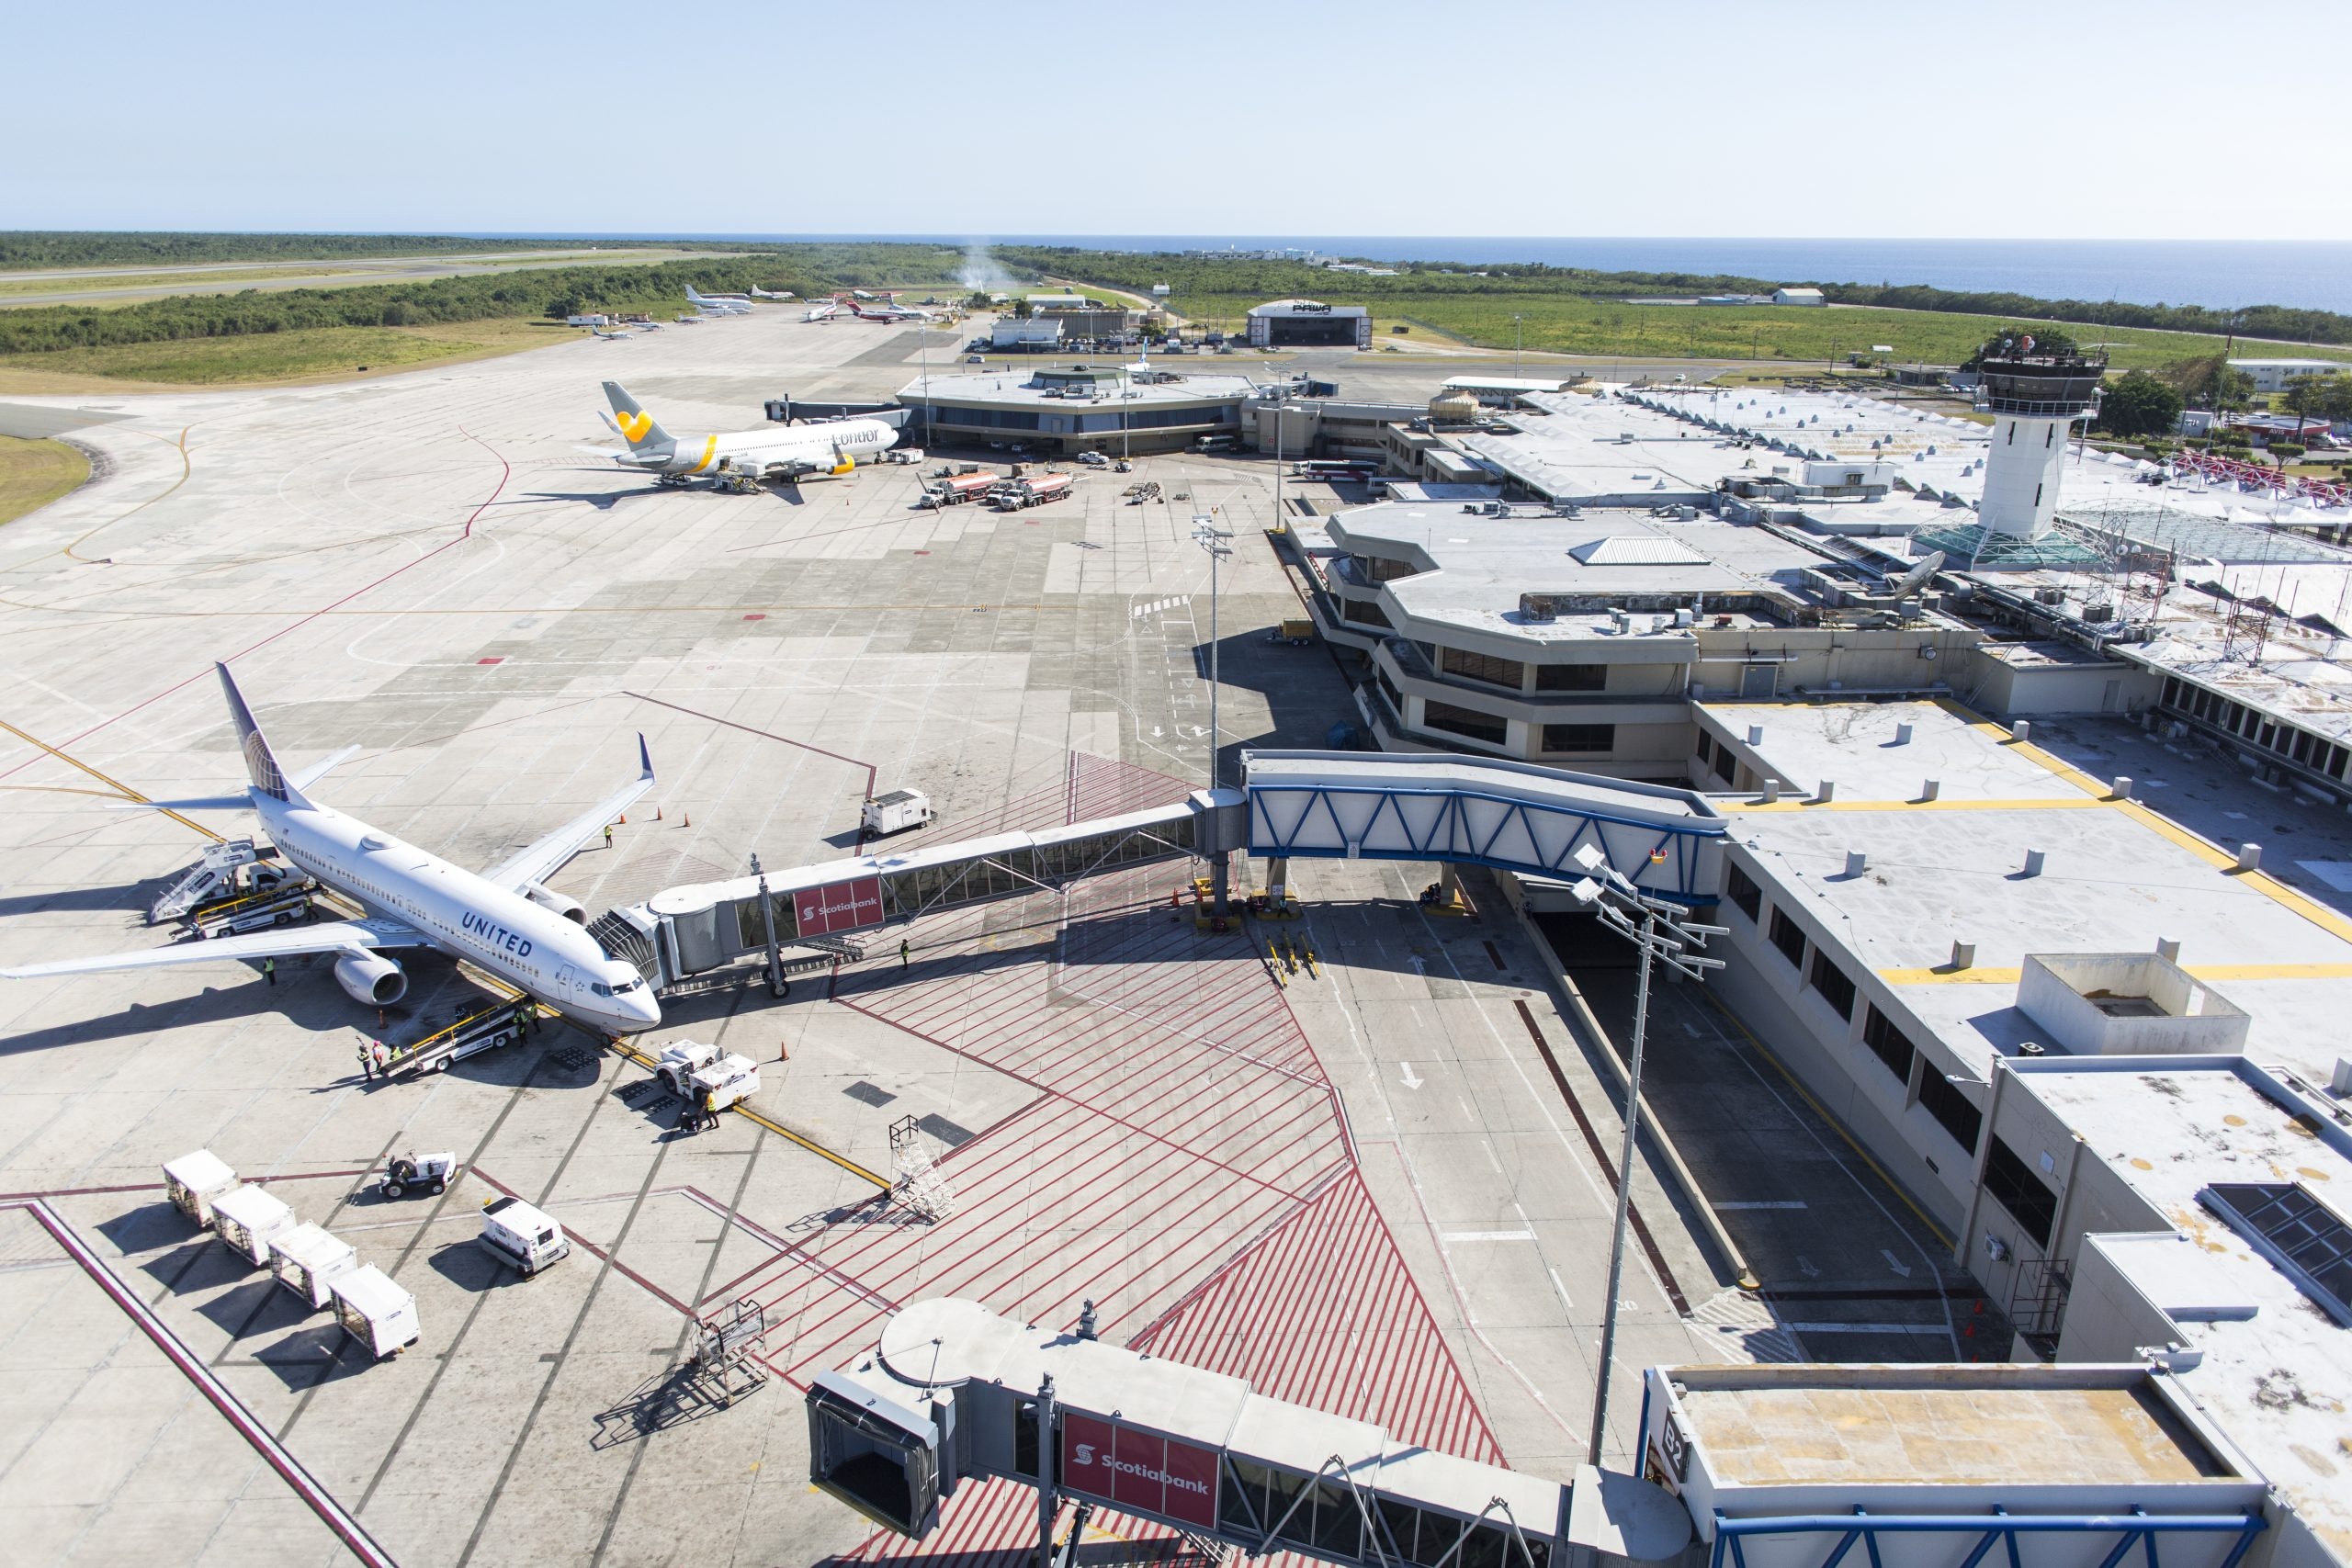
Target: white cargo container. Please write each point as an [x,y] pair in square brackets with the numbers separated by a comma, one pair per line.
[374,1311]
[897,811]
[249,1220]
[195,1180]
[515,1233]
[309,1258]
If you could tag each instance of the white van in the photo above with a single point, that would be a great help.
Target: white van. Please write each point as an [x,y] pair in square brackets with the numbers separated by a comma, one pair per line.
[515,1233]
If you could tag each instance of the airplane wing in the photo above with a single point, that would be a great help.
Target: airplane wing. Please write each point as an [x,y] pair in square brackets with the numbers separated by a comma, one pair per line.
[335,936]
[537,862]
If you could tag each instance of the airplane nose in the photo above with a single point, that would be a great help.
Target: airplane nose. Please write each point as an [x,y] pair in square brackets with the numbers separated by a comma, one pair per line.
[644,1012]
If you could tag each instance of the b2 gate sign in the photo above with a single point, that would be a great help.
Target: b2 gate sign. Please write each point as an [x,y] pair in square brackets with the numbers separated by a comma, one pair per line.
[1139,1471]
[838,906]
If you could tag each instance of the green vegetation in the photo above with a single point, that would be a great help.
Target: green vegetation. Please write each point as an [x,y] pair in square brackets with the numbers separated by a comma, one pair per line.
[2207,382]
[1572,312]
[2140,404]
[34,473]
[2318,396]
[1192,278]
[556,292]
[314,353]
[24,249]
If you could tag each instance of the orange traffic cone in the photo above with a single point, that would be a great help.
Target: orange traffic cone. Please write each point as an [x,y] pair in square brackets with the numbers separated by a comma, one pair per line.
[657,814]
[621,821]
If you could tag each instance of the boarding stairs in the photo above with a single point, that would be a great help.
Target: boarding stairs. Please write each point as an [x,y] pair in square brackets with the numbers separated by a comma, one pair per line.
[919,1185]
[219,875]
[727,1347]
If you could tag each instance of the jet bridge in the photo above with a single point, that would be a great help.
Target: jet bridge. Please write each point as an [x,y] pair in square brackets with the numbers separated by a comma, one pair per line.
[1456,809]
[955,1393]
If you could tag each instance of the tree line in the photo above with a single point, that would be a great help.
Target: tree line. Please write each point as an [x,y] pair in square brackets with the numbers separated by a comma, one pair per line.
[547,291]
[1276,279]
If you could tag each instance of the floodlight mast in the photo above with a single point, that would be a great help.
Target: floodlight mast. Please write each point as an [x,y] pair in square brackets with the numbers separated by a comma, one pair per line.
[1655,926]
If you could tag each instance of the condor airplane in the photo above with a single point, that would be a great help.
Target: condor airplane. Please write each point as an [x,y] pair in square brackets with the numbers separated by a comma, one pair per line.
[504,920]
[889,311]
[780,452]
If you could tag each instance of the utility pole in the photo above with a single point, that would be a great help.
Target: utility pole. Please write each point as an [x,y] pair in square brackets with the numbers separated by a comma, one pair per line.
[1210,537]
[1655,926]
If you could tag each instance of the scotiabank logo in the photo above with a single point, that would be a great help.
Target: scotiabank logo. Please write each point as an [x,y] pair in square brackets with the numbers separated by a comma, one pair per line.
[838,906]
[1139,1472]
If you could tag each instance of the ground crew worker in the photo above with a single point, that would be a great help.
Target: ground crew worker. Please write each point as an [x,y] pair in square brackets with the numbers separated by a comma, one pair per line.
[608,835]
[366,1063]
[902,953]
[709,1111]
[269,970]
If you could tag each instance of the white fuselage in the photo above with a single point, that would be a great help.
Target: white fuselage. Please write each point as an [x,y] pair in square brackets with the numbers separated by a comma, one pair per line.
[533,949]
[793,450]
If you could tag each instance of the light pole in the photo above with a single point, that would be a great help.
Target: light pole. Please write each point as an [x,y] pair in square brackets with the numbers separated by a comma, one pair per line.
[1655,926]
[1210,537]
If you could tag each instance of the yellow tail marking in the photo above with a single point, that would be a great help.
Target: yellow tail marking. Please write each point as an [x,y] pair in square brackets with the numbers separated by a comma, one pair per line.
[635,425]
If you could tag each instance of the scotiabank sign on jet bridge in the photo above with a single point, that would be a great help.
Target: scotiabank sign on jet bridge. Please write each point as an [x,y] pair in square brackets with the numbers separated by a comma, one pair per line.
[1141,1471]
[838,906]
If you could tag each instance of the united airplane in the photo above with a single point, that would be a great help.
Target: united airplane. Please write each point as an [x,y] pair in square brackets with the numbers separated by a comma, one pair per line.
[504,920]
[780,452]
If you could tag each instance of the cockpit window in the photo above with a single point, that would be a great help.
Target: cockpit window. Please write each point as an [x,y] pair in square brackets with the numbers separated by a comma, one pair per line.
[600,987]
[626,987]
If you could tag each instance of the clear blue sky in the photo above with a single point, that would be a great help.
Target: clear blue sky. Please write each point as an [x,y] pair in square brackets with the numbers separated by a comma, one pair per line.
[1639,117]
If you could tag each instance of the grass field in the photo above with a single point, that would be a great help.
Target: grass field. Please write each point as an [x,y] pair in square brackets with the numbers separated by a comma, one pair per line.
[34,473]
[1574,324]
[324,353]
[14,284]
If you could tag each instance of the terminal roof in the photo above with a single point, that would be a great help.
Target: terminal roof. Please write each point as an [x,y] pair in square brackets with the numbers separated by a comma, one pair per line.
[2275,1368]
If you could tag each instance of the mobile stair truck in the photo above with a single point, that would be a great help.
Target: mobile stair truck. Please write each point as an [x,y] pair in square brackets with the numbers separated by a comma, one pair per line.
[308,1259]
[194,1180]
[228,870]
[374,1310]
[249,1221]
[521,1236]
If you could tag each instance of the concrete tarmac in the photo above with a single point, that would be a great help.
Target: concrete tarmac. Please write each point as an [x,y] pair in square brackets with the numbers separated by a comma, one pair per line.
[1365,1188]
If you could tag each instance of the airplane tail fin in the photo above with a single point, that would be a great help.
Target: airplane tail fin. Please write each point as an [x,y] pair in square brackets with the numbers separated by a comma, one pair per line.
[261,762]
[645,438]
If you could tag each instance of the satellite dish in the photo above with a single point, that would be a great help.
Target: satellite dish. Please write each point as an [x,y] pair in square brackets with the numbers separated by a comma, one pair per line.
[1911,582]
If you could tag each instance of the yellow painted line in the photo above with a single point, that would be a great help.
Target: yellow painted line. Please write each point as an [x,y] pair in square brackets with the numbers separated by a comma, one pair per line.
[2066,803]
[2210,972]
[642,1060]
[122,789]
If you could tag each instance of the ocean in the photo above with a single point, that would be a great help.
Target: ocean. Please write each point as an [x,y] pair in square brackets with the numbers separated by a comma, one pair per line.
[2222,274]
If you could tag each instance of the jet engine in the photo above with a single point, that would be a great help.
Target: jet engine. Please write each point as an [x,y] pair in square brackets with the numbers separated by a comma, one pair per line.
[570,909]
[367,977]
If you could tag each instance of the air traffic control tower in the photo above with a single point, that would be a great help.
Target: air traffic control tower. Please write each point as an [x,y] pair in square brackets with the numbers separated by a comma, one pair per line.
[2034,399]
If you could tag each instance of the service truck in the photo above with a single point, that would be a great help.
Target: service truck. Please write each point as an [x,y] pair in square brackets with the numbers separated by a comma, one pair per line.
[693,1070]
[1012,495]
[517,1234]
[896,812]
[194,1180]
[957,489]
[374,1310]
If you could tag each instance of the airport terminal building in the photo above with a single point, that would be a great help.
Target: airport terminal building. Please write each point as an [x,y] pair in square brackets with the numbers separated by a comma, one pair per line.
[1063,409]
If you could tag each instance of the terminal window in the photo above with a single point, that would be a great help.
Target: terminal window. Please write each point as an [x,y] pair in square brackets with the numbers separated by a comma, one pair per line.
[1464,721]
[1587,737]
[1788,936]
[1888,1045]
[1741,889]
[1483,667]
[2024,1194]
[1571,677]
[1832,982]
[1953,1111]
